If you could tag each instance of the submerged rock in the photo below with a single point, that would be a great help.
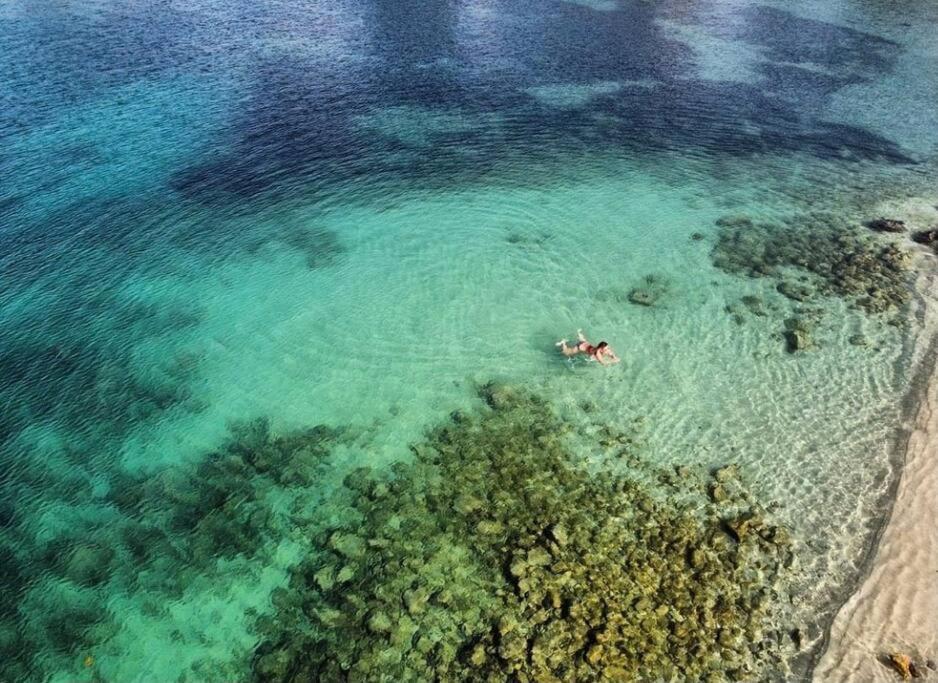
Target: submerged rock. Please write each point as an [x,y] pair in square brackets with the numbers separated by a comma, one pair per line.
[928,237]
[794,290]
[325,577]
[718,493]
[844,262]
[514,562]
[726,473]
[347,545]
[886,225]
[653,288]
[797,340]
[642,297]
[797,335]
[754,304]
[735,221]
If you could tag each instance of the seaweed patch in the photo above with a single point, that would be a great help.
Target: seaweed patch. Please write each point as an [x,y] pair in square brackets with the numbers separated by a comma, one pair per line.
[497,554]
[817,254]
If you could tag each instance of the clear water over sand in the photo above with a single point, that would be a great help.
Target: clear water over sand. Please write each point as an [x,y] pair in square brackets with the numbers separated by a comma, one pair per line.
[353,213]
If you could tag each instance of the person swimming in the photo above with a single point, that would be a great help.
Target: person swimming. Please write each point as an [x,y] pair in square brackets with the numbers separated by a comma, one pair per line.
[602,352]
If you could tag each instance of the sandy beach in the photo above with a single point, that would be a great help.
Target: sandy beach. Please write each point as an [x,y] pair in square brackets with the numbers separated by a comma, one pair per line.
[895,609]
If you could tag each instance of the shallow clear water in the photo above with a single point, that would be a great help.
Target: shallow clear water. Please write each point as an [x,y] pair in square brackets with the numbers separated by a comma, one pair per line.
[351,213]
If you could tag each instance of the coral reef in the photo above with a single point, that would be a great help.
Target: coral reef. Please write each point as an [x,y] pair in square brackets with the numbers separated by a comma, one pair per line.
[496,554]
[833,258]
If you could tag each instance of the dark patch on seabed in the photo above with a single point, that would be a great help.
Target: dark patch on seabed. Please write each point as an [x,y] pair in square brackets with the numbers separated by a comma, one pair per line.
[300,125]
[495,553]
[831,255]
[152,533]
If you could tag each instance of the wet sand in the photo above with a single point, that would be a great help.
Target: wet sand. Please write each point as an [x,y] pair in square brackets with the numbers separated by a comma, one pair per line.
[895,609]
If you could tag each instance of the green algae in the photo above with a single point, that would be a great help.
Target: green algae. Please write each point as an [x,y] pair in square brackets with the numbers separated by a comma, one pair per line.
[497,555]
[817,254]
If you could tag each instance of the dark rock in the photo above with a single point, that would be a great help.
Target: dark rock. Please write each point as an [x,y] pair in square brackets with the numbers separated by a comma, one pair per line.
[642,297]
[359,480]
[650,292]
[755,304]
[797,335]
[846,262]
[735,221]
[857,340]
[886,225]
[497,395]
[929,236]
[588,406]
[797,340]
[794,290]
[696,236]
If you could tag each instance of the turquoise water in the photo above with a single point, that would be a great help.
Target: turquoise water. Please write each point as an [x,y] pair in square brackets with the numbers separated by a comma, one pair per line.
[352,214]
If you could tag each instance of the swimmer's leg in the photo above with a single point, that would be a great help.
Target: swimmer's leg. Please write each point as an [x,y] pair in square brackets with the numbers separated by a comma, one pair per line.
[567,350]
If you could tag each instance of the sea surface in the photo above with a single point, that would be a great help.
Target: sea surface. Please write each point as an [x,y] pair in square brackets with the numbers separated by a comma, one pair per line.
[354,213]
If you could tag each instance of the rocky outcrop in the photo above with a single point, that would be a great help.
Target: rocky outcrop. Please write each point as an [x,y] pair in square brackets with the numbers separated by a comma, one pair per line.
[794,290]
[927,237]
[832,256]
[495,555]
[886,225]
[797,335]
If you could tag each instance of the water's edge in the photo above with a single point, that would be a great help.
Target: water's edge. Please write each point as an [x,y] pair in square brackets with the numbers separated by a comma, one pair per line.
[922,379]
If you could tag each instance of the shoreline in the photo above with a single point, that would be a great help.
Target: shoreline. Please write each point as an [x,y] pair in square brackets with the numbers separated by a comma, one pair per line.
[894,604]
